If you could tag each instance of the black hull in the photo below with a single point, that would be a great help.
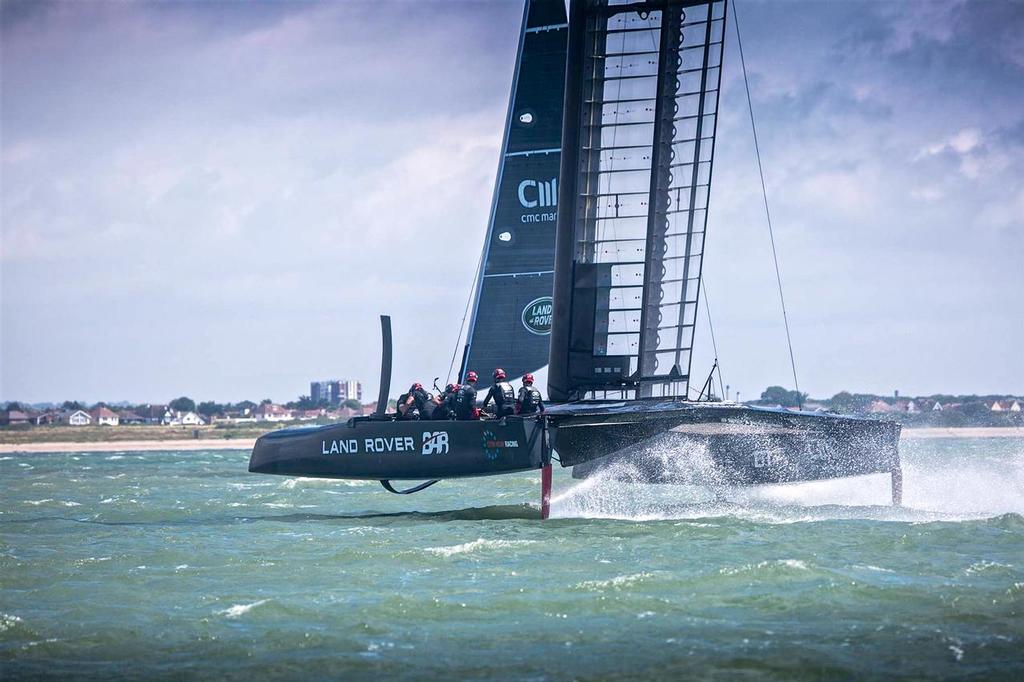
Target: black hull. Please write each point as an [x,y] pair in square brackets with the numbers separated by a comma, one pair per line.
[709,443]
[367,448]
[638,441]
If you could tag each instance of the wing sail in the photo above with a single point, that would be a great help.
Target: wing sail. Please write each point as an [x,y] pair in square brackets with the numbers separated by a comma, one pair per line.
[511,322]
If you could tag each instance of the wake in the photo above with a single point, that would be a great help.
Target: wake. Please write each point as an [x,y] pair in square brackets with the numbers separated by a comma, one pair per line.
[968,481]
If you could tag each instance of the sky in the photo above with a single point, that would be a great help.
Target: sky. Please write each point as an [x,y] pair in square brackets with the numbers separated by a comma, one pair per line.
[218,199]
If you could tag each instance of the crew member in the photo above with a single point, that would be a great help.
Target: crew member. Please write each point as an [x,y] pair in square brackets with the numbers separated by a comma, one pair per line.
[422,400]
[529,401]
[465,399]
[404,407]
[413,405]
[444,403]
[503,395]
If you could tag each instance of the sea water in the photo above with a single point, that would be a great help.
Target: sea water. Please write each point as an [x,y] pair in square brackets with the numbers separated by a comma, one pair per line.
[171,564]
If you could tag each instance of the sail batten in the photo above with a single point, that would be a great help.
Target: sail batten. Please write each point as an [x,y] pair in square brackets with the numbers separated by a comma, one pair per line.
[638,145]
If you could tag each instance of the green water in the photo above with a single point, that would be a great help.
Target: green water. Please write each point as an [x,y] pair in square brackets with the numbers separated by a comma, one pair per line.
[172,564]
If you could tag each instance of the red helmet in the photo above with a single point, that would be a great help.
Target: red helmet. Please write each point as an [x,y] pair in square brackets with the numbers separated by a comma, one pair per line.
[451,388]
[417,387]
[527,378]
[499,374]
[471,376]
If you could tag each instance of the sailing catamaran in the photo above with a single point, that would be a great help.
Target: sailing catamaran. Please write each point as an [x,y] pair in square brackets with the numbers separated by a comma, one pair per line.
[592,266]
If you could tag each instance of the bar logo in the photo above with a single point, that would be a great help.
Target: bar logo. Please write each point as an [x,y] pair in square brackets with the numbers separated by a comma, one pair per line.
[435,443]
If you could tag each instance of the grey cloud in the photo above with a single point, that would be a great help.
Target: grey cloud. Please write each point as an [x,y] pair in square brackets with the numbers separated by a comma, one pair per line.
[224,196]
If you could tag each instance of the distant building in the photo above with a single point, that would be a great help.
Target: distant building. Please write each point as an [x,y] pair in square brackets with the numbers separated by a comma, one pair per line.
[269,412]
[183,419]
[104,416]
[129,417]
[878,406]
[1010,405]
[14,417]
[155,414]
[238,416]
[75,418]
[190,419]
[335,391]
[937,407]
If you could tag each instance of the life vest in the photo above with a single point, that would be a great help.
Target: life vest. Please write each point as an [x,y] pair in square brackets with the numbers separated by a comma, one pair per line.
[529,400]
[421,400]
[465,401]
[505,395]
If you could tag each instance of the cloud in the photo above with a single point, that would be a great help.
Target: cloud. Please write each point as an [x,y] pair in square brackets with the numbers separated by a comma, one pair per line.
[224,196]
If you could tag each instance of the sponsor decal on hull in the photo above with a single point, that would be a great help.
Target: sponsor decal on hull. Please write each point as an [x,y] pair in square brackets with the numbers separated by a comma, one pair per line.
[493,446]
[431,443]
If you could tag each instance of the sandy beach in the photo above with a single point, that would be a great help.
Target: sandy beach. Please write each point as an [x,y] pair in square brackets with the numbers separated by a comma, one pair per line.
[247,443]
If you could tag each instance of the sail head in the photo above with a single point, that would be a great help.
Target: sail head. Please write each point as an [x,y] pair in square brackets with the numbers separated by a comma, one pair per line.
[641,109]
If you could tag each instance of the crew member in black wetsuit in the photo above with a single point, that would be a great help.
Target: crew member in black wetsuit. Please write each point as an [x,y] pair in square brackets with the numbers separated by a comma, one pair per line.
[529,401]
[413,405]
[443,403]
[503,395]
[464,401]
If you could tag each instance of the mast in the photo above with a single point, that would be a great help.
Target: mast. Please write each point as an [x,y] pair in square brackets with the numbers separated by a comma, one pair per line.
[559,386]
[641,108]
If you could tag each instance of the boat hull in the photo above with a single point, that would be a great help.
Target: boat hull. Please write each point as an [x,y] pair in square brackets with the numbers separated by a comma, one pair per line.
[367,448]
[702,443]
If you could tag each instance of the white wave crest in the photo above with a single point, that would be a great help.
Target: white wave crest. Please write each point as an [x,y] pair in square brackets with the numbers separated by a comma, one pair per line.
[983,565]
[8,621]
[616,583]
[795,564]
[239,610]
[480,544]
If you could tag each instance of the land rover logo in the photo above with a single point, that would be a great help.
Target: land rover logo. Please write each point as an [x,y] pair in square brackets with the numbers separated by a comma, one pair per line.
[537,316]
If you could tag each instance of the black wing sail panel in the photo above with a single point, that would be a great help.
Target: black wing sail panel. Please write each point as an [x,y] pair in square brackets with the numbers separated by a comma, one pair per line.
[511,321]
[640,120]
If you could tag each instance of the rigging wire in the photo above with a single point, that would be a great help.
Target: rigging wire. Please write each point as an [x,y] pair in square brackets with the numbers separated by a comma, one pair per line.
[764,195]
[465,314]
[711,327]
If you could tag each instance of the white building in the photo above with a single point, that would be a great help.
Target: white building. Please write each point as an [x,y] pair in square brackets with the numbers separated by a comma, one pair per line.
[1011,405]
[184,419]
[104,416]
[269,412]
[75,418]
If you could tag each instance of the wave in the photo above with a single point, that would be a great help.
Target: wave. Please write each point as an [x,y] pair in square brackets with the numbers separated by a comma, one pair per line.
[8,621]
[618,582]
[239,610]
[477,545]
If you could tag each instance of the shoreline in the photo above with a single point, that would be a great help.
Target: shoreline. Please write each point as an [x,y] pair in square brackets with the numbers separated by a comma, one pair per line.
[193,444]
[130,445]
